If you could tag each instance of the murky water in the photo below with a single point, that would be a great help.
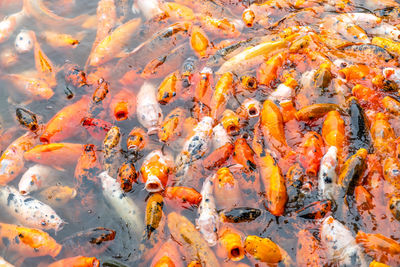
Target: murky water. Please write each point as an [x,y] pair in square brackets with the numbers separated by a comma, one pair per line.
[314,36]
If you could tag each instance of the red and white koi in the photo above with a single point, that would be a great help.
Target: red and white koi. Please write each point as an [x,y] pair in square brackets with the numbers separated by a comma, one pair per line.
[155,170]
[29,211]
[208,220]
[341,246]
[148,110]
[392,74]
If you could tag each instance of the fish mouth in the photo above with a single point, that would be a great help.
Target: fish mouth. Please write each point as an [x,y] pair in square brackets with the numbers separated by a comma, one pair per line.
[23,192]
[236,253]
[153,184]
[253,112]
[152,130]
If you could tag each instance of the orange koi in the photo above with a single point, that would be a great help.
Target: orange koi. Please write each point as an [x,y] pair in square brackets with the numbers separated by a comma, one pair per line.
[307,250]
[218,157]
[268,71]
[172,127]
[78,261]
[226,189]
[333,131]
[62,40]
[28,242]
[194,246]
[367,95]
[127,176]
[219,27]
[58,155]
[43,64]
[231,244]
[249,83]
[262,249]
[248,17]
[186,195]
[199,41]
[137,140]
[271,122]
[31,86]
[383,136]
[311,152]
[223,89]
[378,246]
[274,185]
[66,122]
[155,171]
[168,89]
[88,166]
[113,44]
[230,121]
[391,105]
[123,105]
[168,250]
[161,66]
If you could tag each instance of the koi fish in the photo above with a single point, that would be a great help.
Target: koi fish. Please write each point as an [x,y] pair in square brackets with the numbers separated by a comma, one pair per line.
[92,241]
[341,246]
[29,242]
[196,145]
[208,222]
[113,44]
[66,154]
[29,211]
[12,159]
[148,110]
[327,177]
[77,261]
[184,232]
[124,206]
[24,41]
[155,171]
[35,178]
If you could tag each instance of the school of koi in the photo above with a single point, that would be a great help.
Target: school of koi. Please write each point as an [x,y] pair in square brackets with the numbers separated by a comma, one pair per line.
[206,133]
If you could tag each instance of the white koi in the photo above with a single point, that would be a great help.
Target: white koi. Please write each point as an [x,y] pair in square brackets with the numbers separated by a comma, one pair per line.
[24,41]
[148,109]
[385,30]
[341,246]
[220,137]
[124,206]
[29,211]
[196,146]
[35,178]
[208,220]
[327,177]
